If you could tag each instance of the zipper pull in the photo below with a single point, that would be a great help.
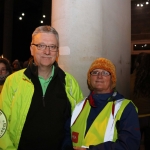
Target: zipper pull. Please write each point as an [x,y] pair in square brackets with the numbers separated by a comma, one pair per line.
[43,101]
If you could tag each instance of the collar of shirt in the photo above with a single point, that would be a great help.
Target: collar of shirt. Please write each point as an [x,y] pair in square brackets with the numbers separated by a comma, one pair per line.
[45,83]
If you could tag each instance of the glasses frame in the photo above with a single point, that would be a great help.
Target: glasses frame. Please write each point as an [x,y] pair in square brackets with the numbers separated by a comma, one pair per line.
[45,46]
[102,73]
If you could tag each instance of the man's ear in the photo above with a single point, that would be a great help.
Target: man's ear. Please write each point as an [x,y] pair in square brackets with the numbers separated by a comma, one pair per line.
[58,54]
[31,50]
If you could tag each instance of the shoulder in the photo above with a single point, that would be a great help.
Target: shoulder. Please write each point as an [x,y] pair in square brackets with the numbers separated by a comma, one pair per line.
[129,104]
[70,77]
[17,73]
[64,74]
[130,109]
[66,77]
[16,76]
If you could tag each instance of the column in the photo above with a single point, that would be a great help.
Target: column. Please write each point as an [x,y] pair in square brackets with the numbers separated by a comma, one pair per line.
[89,29]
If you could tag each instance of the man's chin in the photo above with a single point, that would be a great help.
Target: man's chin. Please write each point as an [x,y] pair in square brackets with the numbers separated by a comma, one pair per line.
[45,64]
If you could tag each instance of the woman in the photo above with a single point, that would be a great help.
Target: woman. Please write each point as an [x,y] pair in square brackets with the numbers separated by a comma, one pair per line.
[5,70]
[105,120]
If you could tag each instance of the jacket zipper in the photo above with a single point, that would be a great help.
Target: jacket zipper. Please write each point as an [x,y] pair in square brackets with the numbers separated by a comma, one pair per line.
[43,101]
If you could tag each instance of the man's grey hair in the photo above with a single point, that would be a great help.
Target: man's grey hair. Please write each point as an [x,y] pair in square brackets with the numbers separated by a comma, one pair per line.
[46,29]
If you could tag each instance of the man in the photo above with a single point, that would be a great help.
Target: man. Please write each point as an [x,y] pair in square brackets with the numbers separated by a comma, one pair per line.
[105,120]
[36,102]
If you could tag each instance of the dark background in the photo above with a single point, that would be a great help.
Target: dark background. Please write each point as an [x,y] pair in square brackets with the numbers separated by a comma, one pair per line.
[140,25]
[34,9]
[22,29]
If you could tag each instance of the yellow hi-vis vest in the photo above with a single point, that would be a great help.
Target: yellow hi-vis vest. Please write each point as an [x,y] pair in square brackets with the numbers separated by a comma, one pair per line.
[102,129]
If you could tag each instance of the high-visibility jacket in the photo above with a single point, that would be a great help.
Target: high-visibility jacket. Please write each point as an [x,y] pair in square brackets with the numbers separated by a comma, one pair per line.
[15,101]
[102,129]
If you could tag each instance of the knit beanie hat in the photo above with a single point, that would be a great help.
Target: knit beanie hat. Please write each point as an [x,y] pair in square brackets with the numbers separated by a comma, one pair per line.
[103,63]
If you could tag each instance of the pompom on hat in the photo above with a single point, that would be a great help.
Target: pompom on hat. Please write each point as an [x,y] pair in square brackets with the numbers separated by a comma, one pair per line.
[105,64]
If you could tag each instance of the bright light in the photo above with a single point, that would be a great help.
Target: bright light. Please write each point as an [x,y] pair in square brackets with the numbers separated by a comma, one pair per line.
[147,3]
[23,14]
[44,16]
[41,21]
[20,18]
[135,45]
[141,5]
[138,5]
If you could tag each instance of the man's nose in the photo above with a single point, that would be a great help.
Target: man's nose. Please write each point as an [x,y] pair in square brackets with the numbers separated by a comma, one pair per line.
[47,50]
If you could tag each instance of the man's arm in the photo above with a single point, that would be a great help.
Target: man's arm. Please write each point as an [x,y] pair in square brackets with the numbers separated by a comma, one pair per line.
[73,89]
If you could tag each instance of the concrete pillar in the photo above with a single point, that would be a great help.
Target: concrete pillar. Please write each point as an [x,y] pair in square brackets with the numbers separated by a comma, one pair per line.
[7,29]
[90,29]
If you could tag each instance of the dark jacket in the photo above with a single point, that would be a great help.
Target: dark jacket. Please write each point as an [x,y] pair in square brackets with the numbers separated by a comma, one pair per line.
[128,126]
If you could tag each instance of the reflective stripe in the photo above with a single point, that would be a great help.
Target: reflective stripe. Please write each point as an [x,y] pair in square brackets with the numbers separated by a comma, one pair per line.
[85,146]
[111,122]
[76,111]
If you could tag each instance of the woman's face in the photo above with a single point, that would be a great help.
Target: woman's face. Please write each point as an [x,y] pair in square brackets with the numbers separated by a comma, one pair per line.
[100,81]
[3,70]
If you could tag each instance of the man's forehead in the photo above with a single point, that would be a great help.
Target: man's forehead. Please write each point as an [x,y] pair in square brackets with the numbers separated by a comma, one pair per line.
[44,37]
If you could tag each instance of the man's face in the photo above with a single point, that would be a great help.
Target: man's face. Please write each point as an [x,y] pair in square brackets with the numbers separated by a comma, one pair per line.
[46,57]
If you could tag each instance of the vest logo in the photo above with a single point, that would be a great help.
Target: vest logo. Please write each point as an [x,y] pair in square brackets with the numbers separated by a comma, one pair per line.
[3,124]
[75,137]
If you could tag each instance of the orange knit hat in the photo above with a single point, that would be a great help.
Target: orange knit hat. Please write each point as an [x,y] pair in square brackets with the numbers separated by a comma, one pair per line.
[103,63]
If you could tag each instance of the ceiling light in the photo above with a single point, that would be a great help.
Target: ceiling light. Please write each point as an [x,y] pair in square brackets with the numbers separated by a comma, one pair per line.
[20,18]
[23,14]
[138,5]
[147,3]
[141,5]
[41,21]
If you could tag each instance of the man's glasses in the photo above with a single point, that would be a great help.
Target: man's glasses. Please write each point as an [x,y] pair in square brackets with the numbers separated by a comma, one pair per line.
[42,47]
[102,73]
